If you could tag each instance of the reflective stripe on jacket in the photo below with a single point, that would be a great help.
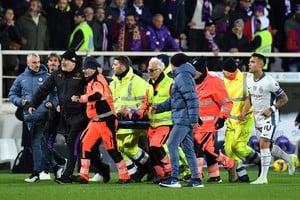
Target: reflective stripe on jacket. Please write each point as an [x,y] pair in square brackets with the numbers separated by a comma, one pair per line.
[214,102]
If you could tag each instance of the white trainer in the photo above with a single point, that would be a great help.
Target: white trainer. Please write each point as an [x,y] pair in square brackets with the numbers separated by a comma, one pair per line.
[45,176]
[32,178]
[260,180]
[291,164]
[96,178]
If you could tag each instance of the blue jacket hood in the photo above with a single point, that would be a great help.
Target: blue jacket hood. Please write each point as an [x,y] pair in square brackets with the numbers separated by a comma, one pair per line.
[186,67]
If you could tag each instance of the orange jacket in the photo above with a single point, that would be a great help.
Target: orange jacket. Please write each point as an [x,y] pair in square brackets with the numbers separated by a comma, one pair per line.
[214,102]
[99,99]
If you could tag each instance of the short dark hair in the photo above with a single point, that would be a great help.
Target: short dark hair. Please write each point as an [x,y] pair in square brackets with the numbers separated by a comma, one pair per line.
[260,57]
[51,55]
[124,60]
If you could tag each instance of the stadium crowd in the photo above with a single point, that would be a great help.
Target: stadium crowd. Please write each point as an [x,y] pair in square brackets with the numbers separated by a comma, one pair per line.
[144,25]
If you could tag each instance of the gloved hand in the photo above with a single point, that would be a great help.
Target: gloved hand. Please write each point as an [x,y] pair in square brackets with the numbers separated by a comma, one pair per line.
[220,123]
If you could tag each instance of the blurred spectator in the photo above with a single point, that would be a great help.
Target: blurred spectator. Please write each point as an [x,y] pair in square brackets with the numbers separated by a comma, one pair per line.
[159,37]
[77,5]
[242,11]
[18,6]
[291,22]
[33,27]
[220,15]
[250,24]
[213,42]
[236,41]
[59,16]
[89,14]
[103,4]
[175,19]
[118,11]
[198,12]
[262,40]
[293,45]
[100,31]
[130,37]
[10,39]
[142,13]
[82,36]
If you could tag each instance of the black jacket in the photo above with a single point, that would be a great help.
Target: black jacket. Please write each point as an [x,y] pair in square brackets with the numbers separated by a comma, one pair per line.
[67,84]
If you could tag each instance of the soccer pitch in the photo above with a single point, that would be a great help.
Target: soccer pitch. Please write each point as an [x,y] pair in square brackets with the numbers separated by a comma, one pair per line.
[281,186]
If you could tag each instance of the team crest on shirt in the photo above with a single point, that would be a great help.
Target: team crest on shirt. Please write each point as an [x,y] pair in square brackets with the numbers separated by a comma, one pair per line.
[261,89]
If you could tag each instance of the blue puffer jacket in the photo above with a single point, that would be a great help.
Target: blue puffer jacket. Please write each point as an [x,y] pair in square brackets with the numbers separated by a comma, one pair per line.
[24,87]
[183,101]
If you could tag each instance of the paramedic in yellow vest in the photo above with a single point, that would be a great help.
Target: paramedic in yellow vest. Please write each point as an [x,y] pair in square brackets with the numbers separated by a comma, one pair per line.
[128,90]
[262,39]
[82,36]
[238,132]
[160,123]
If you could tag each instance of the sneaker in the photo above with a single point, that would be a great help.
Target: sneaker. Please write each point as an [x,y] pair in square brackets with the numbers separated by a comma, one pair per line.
[260,181]
[291,164]
[34,177]
[195,182]
[172,182]
[58,171]
[45,175]
[62,180]
[96,178]
[80,179]
[232,175]
[216,179]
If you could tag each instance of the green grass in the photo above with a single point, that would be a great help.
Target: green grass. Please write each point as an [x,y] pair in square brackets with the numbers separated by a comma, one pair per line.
[281,186]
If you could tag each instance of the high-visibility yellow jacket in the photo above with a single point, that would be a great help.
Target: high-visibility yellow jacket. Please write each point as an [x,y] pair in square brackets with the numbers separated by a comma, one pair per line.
[155,96]
[129,91]
[88,37]
[238,93]
[266,44]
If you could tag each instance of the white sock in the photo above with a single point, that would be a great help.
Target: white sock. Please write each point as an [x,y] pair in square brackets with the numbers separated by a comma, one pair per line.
[279,153]
[265,162]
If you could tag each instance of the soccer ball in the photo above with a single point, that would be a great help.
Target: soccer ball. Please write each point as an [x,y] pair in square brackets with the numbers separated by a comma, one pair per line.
[280,165]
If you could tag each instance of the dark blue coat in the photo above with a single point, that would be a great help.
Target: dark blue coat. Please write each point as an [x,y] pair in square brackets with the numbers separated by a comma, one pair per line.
[24,87]
[183,101]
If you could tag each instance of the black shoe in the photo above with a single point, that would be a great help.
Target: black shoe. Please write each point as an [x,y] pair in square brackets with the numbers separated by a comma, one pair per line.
[136,178]
[80,179]
[105,172]
[63,179]
[216,179]
[244,179]
[123,181]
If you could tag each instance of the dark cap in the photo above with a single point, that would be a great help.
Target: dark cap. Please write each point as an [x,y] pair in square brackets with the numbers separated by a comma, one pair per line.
[164,58]
[200,64]
[209,22]
[179,59]
[229,65]
[70,55]
[90,62]
[79,13]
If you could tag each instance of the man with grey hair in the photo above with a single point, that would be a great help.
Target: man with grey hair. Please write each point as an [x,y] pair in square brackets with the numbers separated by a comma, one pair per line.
[160,124]
[20,94]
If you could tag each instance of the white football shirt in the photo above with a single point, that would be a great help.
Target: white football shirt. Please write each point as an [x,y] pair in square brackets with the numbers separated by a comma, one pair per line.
[263,93]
